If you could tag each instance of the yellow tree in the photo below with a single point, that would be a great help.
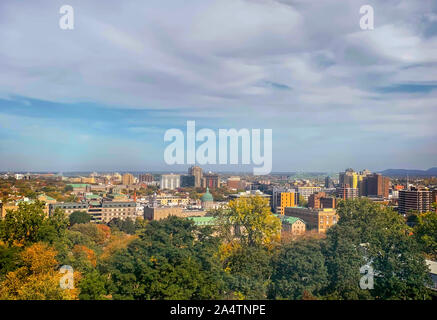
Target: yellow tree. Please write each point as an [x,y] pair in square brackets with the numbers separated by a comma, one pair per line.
[252,221]
[38,278]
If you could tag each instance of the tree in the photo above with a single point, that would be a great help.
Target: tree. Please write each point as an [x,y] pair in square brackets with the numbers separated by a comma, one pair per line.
[29,224]
[302,201]
[37,278]
[125,225]
[298,270]
[92,286]
[168,261]
[425,232]
[9,259]
[23,225]
[368,233]
[248,272]
[252,219]
[79,217]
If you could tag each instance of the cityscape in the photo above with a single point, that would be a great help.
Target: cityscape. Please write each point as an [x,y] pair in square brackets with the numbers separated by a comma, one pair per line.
[214,158]
[109,210]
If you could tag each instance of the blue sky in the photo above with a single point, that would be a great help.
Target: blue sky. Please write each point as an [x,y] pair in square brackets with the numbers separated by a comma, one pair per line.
[101,96]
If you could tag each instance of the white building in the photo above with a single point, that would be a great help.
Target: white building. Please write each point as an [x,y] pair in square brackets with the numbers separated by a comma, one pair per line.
[170,181]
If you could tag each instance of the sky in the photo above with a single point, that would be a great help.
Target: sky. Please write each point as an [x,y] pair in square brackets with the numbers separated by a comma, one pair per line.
[100,97]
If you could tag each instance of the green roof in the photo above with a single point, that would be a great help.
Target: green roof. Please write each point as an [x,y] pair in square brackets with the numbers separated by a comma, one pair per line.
[207,197]
[203,221]
[288,219]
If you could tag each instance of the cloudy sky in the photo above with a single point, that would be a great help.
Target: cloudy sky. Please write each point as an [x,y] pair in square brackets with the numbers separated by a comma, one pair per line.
[101,96]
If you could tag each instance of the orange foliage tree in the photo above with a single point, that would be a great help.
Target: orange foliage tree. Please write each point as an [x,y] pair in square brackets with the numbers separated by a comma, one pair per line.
[37,278]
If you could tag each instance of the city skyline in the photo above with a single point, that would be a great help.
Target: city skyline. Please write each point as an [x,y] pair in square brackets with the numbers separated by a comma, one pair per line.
[101,96]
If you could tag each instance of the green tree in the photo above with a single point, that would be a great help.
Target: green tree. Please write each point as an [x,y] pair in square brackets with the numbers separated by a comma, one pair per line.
[79,217]
[425,231]
[249,271]
[23,224]
[9,259]
[379,236]
[168,261]
[92,286]
[298,269]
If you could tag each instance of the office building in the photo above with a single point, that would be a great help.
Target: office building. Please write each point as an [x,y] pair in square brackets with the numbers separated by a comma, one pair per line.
[158,213]
[375,185]
[170,181]
[127,179]
[145,177]
[283,197]
[197,173]
[345,192]
[329,183]
[211,180]
[414,201]
[305,192]
[100,211]
[188,181]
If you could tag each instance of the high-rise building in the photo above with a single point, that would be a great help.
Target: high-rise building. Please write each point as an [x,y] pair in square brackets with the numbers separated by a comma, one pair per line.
[375,185]
[345,192]
[329,183]
[145,177]
[282,198]
[170,181]
[352,179]
[197,173]
[211,180]
[127,179]
[188,181]
[305,192]
[414,200]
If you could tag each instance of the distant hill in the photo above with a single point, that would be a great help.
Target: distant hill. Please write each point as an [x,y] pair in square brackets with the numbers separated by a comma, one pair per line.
[410,172]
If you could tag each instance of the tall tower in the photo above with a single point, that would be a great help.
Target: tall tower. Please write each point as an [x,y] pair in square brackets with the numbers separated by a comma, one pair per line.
[197,173]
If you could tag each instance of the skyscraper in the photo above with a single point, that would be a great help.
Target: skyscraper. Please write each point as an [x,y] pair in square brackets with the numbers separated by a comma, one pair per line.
[329,183]
[197,173]
[375,185]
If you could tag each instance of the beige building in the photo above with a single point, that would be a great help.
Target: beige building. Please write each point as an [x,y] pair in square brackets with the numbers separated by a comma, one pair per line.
[170,200]
[127,179]
[293,225]
[158,213]
[320,219]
